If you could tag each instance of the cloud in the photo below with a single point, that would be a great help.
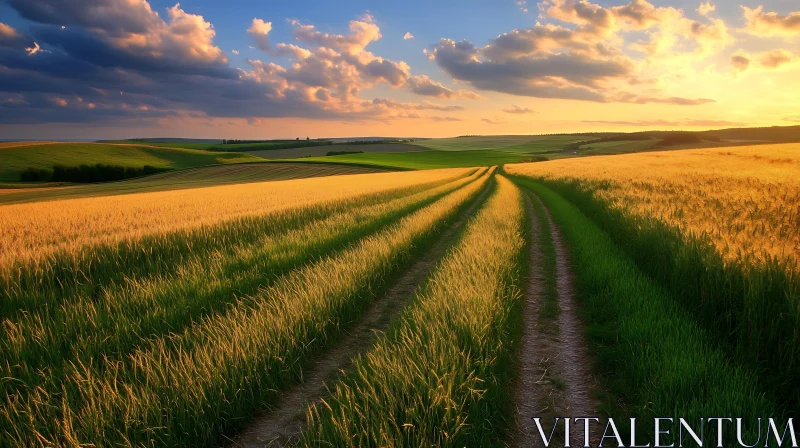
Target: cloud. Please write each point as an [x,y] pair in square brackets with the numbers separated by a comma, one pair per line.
[528,75]
[776,58]
[408,36]
[769,60]
[667,123]
[120,62]
[259,32]
[423,85]
[236,52]
[435,118]
[706,8]
[768,24]
[584,61]
[740,63]
[492,122]
[514,109]
[425,105]
[13,39]
[523,5]
[113,17]
[671,100]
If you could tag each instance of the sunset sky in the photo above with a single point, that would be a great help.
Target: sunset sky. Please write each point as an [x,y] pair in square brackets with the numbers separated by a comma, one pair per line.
[76,69]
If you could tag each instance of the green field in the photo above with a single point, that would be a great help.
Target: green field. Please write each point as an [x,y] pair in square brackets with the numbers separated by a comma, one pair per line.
[321,151]
[186,178]
[177,144]
[427,160]
[516,143]
[620,147]
[14,160]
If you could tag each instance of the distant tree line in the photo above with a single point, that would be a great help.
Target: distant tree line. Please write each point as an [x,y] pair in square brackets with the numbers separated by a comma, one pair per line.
[243,142]
[267,145]
[341,153]
[99,172]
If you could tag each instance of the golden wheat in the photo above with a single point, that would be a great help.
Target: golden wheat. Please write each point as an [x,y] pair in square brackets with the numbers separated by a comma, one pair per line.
[426,383]
[35,230]
[216,369]
[745,199]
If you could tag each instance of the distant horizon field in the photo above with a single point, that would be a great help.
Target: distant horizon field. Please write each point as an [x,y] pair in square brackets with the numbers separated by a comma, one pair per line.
[188,178]
[321,151]
[14,160]
[427,159]
[517,143]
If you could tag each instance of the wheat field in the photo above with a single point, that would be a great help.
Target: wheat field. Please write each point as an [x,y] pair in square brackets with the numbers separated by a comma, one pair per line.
[35,230]
[745,199]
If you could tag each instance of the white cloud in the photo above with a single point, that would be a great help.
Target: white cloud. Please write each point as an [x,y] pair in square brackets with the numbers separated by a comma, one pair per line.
[259,32]
[706,8]
[408,36]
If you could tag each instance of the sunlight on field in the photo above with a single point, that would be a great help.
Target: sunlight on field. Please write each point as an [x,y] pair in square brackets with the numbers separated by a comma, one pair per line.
[745,199]
[38,229]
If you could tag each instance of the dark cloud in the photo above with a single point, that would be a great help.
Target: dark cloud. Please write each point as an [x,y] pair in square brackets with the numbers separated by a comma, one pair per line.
[423,85]
[113,16]
[568,76]
[117,60]
[11,38]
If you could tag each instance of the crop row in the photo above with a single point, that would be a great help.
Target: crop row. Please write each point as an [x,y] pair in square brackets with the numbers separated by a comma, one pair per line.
[440,376]
[35,231]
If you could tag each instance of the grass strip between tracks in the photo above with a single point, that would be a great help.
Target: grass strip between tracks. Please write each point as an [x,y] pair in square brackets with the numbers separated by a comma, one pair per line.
[440,376]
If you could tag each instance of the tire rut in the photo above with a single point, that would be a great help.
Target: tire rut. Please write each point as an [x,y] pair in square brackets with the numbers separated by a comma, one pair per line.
[554,378]
[281,425]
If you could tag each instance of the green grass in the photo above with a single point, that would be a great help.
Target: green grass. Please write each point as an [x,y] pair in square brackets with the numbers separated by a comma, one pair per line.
[427,159]
[215,317]
[620,147]
[179,145]
[187,178]
[15,160]
[321,151]
[517,143]
[653,356]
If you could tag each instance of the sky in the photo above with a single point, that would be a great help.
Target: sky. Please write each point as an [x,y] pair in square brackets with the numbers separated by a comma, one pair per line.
[255,69]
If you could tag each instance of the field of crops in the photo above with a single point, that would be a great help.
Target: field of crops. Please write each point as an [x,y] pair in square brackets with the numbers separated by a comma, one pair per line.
[744,199]
[426,160]
[517,143]
[16,157]
[434,307]
[716,232]
[183,179]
